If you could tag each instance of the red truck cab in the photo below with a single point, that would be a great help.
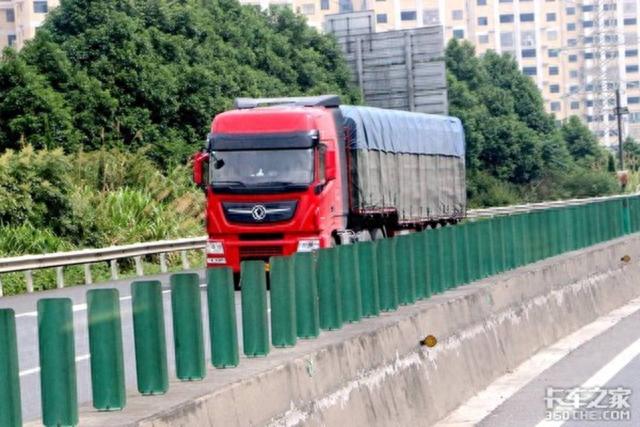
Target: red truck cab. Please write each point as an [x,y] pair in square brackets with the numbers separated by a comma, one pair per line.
[273,179]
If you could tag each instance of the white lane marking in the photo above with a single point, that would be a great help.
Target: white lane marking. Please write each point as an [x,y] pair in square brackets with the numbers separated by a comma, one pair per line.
[77,307]
[484,403]
[600,378]
[35,370]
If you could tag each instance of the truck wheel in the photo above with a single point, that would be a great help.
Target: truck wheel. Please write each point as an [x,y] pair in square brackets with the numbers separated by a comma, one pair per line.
[377,234]
[363,236]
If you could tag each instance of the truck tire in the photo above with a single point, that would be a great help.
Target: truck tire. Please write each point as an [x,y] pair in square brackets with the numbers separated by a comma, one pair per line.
[363,236]
[377,234]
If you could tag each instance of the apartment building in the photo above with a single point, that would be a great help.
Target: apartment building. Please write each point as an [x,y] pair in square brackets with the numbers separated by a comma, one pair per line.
[20,18]
[577,51]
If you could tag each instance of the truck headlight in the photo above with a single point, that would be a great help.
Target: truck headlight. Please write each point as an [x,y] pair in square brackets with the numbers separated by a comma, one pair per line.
[215,247]
[308,245]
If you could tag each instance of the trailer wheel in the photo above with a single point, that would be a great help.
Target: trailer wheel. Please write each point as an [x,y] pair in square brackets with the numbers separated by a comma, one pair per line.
[363,236]
[377,234]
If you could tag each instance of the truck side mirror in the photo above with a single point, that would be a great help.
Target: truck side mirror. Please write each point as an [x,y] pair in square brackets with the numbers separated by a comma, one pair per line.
[200,169]
[330,165]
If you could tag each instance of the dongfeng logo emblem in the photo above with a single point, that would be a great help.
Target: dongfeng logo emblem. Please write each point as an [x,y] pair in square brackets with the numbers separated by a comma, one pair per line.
[258,212]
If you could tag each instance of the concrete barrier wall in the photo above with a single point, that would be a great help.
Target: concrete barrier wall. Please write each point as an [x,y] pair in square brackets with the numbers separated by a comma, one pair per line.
[375,373]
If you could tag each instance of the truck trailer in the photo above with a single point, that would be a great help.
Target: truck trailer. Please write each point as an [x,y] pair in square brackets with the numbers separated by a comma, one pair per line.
[297,174]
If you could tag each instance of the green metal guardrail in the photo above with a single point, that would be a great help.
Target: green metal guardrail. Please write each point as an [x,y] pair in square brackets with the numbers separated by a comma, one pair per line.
[309,292]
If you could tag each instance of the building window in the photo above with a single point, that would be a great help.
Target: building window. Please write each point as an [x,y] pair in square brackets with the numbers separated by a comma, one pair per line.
[630,21]
[553,53]
[552,35]
[575,105]
[345,6]
[573,58]
[610,6]
[507,40]
[11,39]
[527,38]
[573,74]
[457,15]
[588,40]
[11,15]
[554,71]
[483,21]
[633,100]
[505,19]
[528,53]
[483,38]
[482,2]
[551,17]
[631,68]
[408,15]
[458,34]
[324,4]
[589,103]
[529,71]
[572,42]
[526,17]
[631,53]
[571,11]
[554,88]
[431,16]
[588,55]
[587,8]
[555,106]
[587,24]
[40,6]
[381,18]
[308,9]
[571,26]
[506,1]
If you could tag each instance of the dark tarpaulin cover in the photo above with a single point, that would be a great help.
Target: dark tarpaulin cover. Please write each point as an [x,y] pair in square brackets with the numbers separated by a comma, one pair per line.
[403,132]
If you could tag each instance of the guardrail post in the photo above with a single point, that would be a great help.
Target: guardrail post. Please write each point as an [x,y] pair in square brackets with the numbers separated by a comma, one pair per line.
[369,279]
[222,317]
[139,268]
[28,279]
[149,337]
[88,278]
[283,301]
[387,276]
[1,290]
[255,330]
[350,283]
[186,308]
[329,289]
[105,346]
[57,362]
[185,260]
[114,269]
[59,277]
[163,262]
[306,293]
[10,409]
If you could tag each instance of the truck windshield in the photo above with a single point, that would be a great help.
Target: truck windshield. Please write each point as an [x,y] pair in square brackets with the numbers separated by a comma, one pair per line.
[247,169]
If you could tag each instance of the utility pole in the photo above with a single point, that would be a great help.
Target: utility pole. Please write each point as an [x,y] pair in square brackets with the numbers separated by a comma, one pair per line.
[620,111]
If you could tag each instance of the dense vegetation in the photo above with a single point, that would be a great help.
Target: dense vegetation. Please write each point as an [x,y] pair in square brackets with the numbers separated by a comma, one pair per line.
[515,151]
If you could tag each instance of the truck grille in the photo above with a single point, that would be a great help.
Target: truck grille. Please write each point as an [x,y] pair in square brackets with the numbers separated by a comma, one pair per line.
[259,212]
[259,252]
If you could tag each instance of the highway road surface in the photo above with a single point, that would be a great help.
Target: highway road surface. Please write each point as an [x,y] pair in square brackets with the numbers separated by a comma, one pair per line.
[590,378]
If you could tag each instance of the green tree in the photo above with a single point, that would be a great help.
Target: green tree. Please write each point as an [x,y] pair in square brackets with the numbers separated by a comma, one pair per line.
[154,72]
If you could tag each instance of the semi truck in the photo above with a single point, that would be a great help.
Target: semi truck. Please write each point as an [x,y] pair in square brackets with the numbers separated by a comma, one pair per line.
[283,175]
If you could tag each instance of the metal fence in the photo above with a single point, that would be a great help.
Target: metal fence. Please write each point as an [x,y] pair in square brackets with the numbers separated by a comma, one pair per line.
[310,292]
[86,257]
